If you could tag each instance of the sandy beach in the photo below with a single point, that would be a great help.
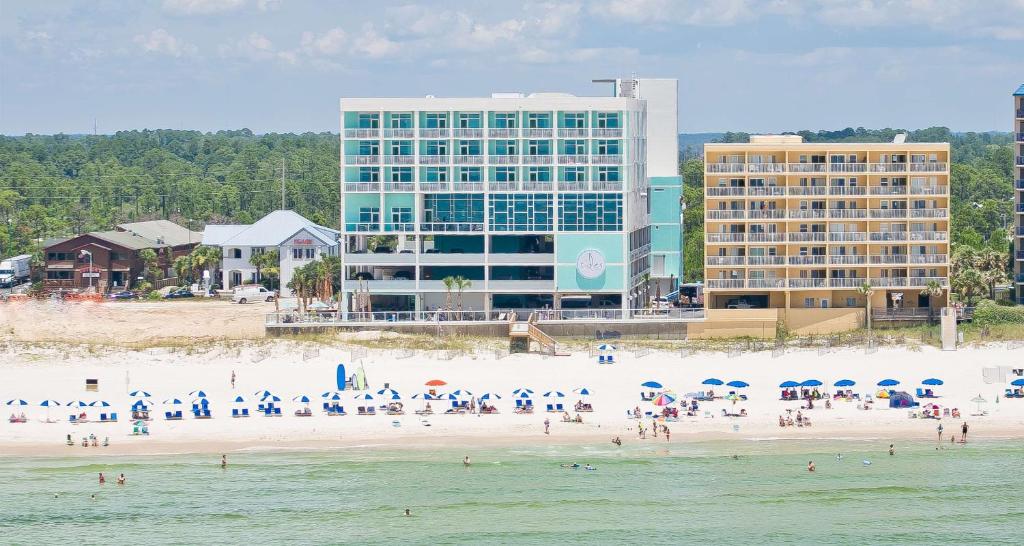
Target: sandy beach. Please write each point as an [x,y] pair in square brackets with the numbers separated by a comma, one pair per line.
[288,369]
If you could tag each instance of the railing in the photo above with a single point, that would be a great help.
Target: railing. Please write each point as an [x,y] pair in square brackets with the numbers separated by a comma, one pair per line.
[530,185]
[725,260]
[929,190]
[808,167]
[808,190]
[608,132]
[724,237]
[846,259]
[911,314]
[888,213]
[574,159]
[847,190]
[724,283]
[399,133]
[929,213]
[766,214]
[468,132]
[887,167]
[1020,208]
[362,226]
[399,160]
[503,186]
[503,159]
[888,282]
[362,159]
[889,259]
[402,226]
[845,282]
[723,192]
[607,185]
[430,159]
[766,260]
[928,167]
[435,186]
[362,186]
[725,167]
[725,214]
[847,213]
[362,133]
[847,236]
[537,159]
[451,226]
[807,213]
[468,186]
[766,167]
[468,159]
[766,283]
[565,185]
[848,167]
[887,190]
[806,237]
[606,159]
[1020,254]
[1020,113]
[539,132]
[808,283]
[766,237]
[1020,137]
[838,168]
[573,132]
[766,190]
[928,236]
[920,282]
[888,236]
[434,133]
[399,186]
[807,260]
[505,132]
[1020,161]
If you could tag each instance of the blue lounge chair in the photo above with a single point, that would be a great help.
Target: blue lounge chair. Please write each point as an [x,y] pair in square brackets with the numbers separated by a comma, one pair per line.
[245,412]
[103,417]
[206,413]
[600,359]
[72,418]
[551,407]
[234,412]
[277,411]
[113,418]
[611,359]
[168,416]
[920,393]
[327,406]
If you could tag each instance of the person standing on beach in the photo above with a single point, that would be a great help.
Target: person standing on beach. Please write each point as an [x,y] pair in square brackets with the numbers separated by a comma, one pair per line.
[232,379]
[547,426]
[963,429]
[668,434]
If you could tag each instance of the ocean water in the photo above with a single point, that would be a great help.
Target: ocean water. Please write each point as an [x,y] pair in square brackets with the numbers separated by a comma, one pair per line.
[640,493]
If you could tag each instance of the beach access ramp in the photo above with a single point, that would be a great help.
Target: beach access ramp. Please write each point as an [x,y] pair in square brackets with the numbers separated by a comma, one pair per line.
[522,333]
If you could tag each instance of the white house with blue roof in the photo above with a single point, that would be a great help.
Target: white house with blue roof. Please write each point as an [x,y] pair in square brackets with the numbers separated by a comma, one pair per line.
[298,241]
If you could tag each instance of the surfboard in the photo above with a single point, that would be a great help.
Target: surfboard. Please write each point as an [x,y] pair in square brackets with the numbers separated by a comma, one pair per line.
[341,377]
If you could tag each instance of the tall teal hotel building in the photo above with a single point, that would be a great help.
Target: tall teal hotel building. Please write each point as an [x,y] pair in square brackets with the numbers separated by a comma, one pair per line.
[541,201]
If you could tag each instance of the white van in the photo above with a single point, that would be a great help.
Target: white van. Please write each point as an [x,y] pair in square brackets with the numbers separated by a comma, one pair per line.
[252,293]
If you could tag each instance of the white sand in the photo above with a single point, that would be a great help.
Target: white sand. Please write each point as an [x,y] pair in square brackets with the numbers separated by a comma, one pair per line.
[38,373]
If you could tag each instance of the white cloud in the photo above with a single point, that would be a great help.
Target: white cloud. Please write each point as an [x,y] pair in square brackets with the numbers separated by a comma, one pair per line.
[201,7]
[330,43]
[374,44]
[268,5]
[161,42]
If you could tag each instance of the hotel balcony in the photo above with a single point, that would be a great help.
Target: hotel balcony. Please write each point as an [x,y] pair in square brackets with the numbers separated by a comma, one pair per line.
[725,192]
[400,227]
[537,159]
[725,260]
[766,237]
[724,237]
[847,259]
[887,190]
[766,167]
[887,167]
[576,185]
[468,133]
[807,213]
[766,191]
[725,168]
[468,186]
[808,167]
[847,213]
[766,260]
[929,213]
[504,159]
[888,213]
[847,190]
[848,167]
[928,167]
[399,133]
[607,132]
[362,226]
[435,159]
[725,283]
[399,159]
[435,133]
[362,133]
[847,237]
[929,258]
[848,282]
[929,236]
[837,168]
[399,186]
[929,190]
[373,258]
[573,159]
[607,159]
[808,283]
[887,282]
[806,260]
[507,132]
[714,214]
[435,186]
[607,185]
[362,186]
[534,185]
[921,282]
[541,132]
[808,190]
[573,132]
[468,159]
[766,283]
[362,159]
[503,186]
[445,227]
[889,259]
[766,214]
[888,236]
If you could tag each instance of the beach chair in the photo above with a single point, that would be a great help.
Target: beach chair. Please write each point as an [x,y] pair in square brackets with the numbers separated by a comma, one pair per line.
[72,419]
[207,414]
[168,416]
[235,413]
[920,393]
[327,406]
[611,359]
[600,359]
[103,417]
[339,410]
[277,412]
[551,408]
[371,410]
[361,410]
[113,418]
[245,412]
[268,411]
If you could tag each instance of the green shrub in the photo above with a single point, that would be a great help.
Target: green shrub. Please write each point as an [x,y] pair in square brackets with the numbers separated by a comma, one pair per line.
[154,295]
[988,312]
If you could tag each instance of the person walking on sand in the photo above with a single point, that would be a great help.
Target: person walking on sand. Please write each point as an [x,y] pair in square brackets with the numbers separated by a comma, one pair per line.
[232,379]
[668,434]
[963,429]
[547,426]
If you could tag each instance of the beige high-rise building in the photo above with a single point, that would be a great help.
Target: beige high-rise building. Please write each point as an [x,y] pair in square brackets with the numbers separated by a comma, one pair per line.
[790,224]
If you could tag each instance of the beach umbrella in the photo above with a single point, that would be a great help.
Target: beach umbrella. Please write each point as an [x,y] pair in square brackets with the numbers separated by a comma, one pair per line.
[606,347]
[78,404]
[461,393]
[522,390]
[1018,382]
[270,399]
[139,394]
[652,385]
[524,394]
[198,394]
[100,403]
[424,396]
[711,381]
[811,383]
[979,400]
[140,404]
[888,383]
[364,396]
[845,383]
[335,397]
[49,403]
[739,384]
[435,383]
[263,394]
[17,402]
[388,393]
[932,381]
[554,394]
[788,384]
[490,396]
[239,400]
[664,399]
[302,398]
[732,397]
[173,402]
[582,391]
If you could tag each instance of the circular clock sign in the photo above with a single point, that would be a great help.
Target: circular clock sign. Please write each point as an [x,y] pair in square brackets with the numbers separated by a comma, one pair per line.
[590,263]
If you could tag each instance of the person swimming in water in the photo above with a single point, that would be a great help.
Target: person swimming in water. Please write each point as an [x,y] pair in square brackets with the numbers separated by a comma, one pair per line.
[588,467]
[103,479]
[573,465]
[810,466]
[223,461]
[408,513]
[892,449]
[617,441]
[121,479]
[839,456]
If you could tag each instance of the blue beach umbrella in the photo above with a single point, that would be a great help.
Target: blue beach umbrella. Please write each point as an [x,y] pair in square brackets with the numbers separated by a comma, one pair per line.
[364,396]
[738,384]
[711,381]
[173,402]
[140,405]
[270,399]
[198,394]
[388,393]
[932,381]
[582,391]
[810,383]
[522,390]
[845,383]
[651,385]
[17,402]
[606,347]
[490,396]
[49,403]
[554,394]
[263,394]
[888,383]
[788,384]
[461,393]
[524,395]
[78,404]
[1018,382]
[139,394]
[100,403]
[424,396]
[239,400]
[303,398]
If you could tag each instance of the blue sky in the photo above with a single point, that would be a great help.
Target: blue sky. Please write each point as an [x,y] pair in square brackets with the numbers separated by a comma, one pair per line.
[281,65]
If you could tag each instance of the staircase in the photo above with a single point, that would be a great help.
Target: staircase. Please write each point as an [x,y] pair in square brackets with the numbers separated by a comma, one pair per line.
[528,330]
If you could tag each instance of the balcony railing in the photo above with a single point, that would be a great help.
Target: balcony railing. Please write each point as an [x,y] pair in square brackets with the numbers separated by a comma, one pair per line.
[399,133]
[808,283]
[928,167]
[724,237]
[573,159]
[888,190]
[888,236]
[725,260]
[847,236]
[451,226]
[887,167]
[435,159]
[725,283]
[362,133]
[362,226]
[887,282]
[808,190]
[766,214]
[1020,254]
[362,186]
[362,159]
[726,192]
[808,167]
[1019,184]
[889,259]
[468,132]
[766,260]
[573,132]
[848,167]
[532,185]
[503,186]
[577,185]
[838,168]
[929,190]
[435,133]
[845,259]
[928,236]
[725,167]
[1020,113]
[888,213]
[847,190]
[847,213]
[766,283]
[766,190]
[929,213]
[606,159]
[399,159]
[725,214]
[806,260]
[607,185]
[402,226]
[537,159]
[806,237]
[766,237]
[1020,161]
[848,282]
[399,186]
[468,186]
[929,258]
[807,213]
[468,159]
[504,159]
[766,167]
[608,132]
[1020,137]
[435,186]
[542,132]
[921,282]
[505,132]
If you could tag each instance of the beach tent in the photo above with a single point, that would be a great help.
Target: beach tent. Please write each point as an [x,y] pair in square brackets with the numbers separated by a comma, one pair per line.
[712,381]
[901,400]
[845,383]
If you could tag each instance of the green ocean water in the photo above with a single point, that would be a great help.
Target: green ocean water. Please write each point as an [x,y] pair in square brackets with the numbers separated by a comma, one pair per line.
[640,493]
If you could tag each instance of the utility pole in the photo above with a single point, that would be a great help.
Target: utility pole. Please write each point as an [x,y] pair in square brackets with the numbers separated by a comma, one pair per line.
[282,184]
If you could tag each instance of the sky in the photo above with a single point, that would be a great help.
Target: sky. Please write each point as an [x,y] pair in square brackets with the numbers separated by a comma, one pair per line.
[282,65]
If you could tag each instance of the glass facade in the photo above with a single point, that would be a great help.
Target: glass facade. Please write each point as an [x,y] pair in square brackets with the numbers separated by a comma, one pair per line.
[453,207]
[521,212]
[590,212]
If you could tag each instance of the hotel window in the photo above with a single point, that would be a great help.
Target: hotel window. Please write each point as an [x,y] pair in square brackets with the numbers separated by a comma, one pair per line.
[469,120]
[235,253]
[401,215]
[608,147]
[590,212]
[303,253]
[539,174]
[436,120]
[539,147]
[575,120]
[608,120]
[401,121]
[436,174]
[401,147]
[453,207]
[521,212]
[538,120]
[367,215]
[506,147]
[369,147]
[437,147]
[368,121]
[401,174]
[369,174]
[505,120]
[506,174]
[469,147]
[470,174]
[574,174]
[575,147]
[608,174]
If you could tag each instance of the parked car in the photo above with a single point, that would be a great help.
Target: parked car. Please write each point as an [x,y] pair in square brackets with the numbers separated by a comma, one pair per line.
[123,295]
[179,293]
[252,293]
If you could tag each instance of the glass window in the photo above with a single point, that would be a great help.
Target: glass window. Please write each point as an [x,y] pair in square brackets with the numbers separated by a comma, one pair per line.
[436,174]
[538,120]
[470,174]
[506,147]
[401,147]
[401,215]
[608,174]
[608,147]
[401,174]
[505,120]
[539,174]
[469,147]
[369,147]
[520,211]
[506,174]
[437,120]
[369,174]
[575,120]
[401,120]
[575,174]
[368,215]
[469,120]
[437,147]
[575,147]
[453,207]
[368,120]
[590,212]
[608,120]
[539,147]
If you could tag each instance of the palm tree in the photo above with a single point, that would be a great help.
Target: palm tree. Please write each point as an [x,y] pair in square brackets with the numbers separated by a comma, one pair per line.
[449,283]
[867,290]
[991,263]
[967,283]
[183,268]
[149,263]
[461,283]
[932,289]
